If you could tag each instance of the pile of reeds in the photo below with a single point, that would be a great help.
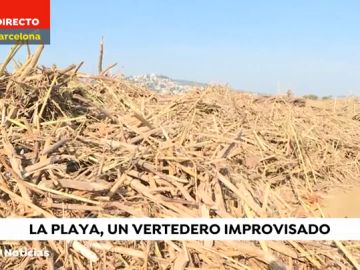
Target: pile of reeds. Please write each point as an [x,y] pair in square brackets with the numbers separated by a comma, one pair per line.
[76,145]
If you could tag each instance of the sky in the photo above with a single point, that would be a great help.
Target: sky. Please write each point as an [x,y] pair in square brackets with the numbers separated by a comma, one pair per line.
[311,47]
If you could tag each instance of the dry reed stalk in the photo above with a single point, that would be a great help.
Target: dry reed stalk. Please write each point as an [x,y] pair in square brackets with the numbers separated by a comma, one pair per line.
[101,56]
[13,50]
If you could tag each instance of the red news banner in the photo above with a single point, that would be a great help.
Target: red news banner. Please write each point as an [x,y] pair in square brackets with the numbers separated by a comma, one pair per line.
[25,21]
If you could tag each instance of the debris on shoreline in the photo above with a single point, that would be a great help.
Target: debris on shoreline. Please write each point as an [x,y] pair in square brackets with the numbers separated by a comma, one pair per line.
[80,145]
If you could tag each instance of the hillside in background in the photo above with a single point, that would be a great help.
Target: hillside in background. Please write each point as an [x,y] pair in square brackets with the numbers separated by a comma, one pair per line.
[164,84]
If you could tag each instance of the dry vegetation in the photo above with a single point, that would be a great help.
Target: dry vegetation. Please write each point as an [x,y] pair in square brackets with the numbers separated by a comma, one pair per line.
[75,145]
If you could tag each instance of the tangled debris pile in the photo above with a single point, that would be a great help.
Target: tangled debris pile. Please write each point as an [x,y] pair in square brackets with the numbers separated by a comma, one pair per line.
[75,145]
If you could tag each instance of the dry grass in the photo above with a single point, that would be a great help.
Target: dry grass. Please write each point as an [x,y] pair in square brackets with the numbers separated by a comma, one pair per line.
[75,145]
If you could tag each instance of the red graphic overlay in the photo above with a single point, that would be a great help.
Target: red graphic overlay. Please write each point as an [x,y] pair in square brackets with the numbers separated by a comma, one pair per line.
[25,14]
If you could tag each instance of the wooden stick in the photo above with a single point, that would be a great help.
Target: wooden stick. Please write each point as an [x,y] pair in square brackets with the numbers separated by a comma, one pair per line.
[101,56]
